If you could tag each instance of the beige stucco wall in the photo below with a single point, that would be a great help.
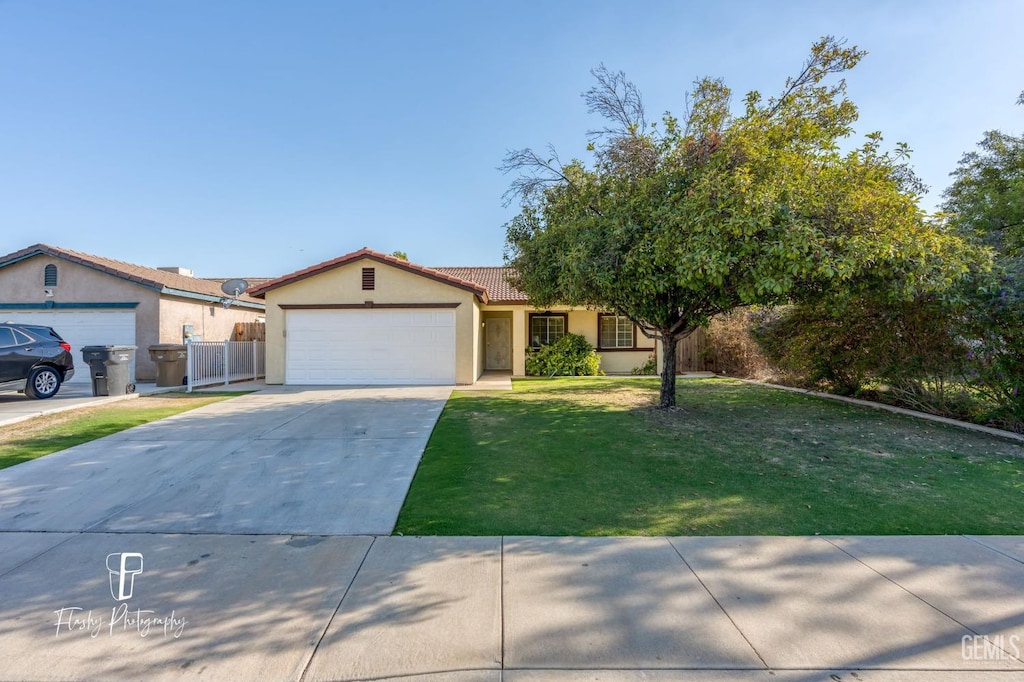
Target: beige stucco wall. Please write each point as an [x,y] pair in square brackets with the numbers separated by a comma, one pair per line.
[393,285]
[581,321]
[22,282]
[158,319]
[212,321]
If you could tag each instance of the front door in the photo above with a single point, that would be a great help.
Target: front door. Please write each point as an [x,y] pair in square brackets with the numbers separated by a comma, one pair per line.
[498,343]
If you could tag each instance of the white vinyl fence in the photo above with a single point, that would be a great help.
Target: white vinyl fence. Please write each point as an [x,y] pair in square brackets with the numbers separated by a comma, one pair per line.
[221,362]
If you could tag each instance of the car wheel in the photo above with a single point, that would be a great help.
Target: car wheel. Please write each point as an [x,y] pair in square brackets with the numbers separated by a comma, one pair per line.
[43,382]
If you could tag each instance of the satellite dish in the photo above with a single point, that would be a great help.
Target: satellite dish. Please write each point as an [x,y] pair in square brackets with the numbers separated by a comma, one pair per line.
[234,287]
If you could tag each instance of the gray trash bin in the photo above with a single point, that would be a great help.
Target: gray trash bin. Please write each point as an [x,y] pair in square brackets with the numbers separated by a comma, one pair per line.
[110,368]
[171,363]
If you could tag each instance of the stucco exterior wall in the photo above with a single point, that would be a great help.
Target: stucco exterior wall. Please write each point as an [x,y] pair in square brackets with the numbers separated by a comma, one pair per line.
[343,285]
[158,319]
[22,282]
[580,321]
[212,321]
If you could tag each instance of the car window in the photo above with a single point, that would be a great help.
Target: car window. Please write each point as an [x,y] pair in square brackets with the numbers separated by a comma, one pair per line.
[6,337]
[43,333]
[21,338]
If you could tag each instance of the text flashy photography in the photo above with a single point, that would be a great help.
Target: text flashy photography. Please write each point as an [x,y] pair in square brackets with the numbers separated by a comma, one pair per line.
[985,648]
[122,569]
[144,622]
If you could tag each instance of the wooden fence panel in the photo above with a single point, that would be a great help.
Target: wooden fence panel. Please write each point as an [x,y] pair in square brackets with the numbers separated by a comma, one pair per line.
[249,331]
[693,354]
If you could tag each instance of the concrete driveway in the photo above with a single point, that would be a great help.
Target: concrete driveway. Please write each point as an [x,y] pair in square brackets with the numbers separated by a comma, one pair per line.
[283,460]
[239,541]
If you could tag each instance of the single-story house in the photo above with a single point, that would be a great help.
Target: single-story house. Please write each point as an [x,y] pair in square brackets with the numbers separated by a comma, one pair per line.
[91,300]
[371,318]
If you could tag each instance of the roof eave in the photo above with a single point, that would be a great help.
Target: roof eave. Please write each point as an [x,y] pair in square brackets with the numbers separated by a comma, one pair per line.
[180,293]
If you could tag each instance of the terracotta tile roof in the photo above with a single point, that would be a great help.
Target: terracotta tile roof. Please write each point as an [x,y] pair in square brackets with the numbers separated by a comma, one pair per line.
[365,253]
[494,279]
[152,278]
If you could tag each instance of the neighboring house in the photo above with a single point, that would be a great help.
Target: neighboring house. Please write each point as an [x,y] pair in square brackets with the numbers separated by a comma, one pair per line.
[92,300]
[367,318]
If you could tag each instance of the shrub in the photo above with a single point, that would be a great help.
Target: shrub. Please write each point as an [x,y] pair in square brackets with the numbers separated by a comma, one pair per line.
[910,346]
[736,351]
[571,355]
[995,359]
[649,367]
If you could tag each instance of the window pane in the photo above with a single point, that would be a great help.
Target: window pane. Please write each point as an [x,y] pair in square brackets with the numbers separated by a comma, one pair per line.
[6,336]
[546,329]
[556,328]
[625,332]
[538,331]
[616,332]
[607,332]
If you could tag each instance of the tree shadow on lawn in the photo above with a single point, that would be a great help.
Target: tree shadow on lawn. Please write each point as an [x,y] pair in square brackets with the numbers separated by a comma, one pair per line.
[595,459]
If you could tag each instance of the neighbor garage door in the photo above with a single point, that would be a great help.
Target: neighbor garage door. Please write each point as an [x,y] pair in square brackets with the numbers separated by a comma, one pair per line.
[82,328]
[370,347]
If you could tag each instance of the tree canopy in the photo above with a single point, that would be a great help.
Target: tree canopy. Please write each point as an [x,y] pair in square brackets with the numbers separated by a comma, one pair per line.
[673,222]
[987,194]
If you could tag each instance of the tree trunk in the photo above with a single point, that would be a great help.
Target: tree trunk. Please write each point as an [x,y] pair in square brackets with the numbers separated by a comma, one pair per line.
[669,341]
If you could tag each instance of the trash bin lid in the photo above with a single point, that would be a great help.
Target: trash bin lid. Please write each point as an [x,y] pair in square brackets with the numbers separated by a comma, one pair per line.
[168,346]
[107,348]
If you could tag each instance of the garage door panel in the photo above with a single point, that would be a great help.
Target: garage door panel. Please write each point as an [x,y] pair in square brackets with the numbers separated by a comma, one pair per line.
[370,347]
[82,328]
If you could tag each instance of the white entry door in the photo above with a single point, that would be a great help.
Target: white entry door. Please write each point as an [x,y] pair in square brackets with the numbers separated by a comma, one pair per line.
[82,328]
[392,346]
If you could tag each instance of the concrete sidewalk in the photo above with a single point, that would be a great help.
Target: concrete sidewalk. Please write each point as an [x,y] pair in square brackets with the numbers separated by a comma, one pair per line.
[278,607]
[16,407]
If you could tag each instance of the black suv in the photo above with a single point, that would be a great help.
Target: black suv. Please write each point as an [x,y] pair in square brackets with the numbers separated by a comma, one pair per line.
[33,359]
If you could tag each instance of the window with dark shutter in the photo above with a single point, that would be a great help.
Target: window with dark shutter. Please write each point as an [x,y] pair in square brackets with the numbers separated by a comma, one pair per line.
[368,279]
[50,275]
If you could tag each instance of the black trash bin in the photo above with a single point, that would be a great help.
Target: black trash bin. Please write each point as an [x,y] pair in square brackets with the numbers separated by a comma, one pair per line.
[110,368]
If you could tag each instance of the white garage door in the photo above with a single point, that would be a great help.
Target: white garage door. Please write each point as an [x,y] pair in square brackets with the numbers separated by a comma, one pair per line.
[82,328]
[327,347]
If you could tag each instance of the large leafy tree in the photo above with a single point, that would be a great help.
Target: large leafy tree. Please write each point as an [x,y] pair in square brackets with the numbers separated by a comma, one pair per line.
[986,202]
[674,223]
[987,194]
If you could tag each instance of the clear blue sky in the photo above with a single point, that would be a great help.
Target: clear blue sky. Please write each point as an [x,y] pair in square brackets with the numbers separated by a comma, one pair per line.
[251,138]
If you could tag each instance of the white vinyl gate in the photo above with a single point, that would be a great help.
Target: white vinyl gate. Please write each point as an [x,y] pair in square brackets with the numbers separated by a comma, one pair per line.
[222,362]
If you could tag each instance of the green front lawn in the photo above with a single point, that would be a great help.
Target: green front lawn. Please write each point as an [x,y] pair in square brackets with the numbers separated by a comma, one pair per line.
[50,433]
[591,457]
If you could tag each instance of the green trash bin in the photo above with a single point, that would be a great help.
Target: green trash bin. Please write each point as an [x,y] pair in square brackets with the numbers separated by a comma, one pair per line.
[110,368]
[171,363]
